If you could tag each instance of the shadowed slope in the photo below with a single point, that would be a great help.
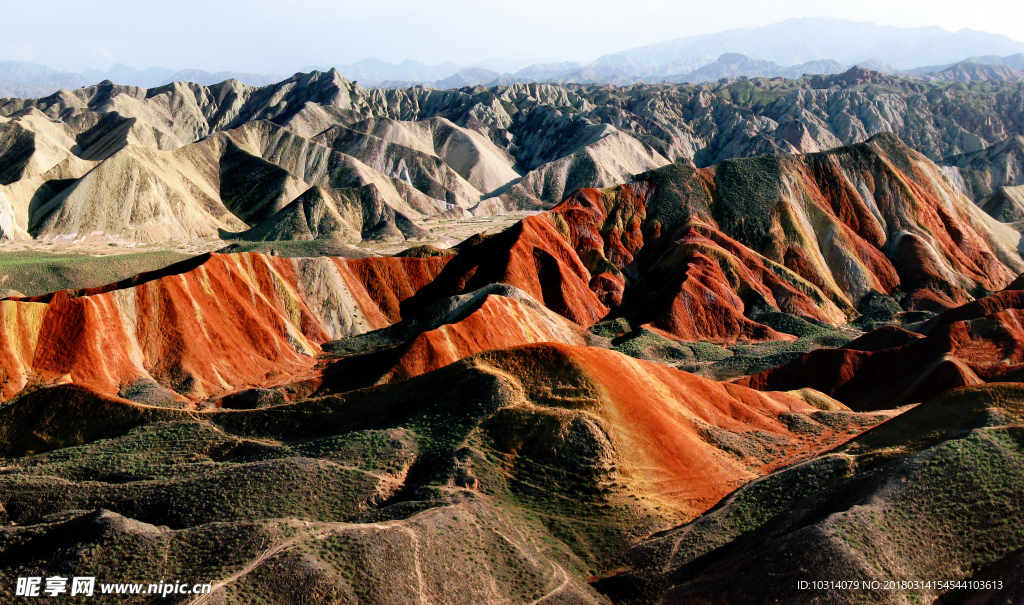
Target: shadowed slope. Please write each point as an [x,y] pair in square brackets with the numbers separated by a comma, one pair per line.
[983,172]
[533,256]
[497,556]
[483,164]
[1006,204]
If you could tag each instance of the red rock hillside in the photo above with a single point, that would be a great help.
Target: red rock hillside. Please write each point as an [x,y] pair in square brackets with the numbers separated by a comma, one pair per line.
[691,252]
[205,326]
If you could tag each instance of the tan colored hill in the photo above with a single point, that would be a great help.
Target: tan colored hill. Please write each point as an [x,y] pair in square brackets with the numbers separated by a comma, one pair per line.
[30,145]
[420,168]
[1005,204]
[612,157]
[981,173]
[36,162]
[482,164]
[138,193]
[216,187]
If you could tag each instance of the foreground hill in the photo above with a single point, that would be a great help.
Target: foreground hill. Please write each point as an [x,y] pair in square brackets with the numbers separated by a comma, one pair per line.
[453,469]
[888,505]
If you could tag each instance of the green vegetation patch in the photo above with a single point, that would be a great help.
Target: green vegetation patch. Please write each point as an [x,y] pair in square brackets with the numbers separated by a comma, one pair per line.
[748,190]
[35,273]
[188,473]
[298,248]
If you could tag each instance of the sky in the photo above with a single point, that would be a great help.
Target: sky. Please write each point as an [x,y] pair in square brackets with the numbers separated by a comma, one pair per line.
[284,36]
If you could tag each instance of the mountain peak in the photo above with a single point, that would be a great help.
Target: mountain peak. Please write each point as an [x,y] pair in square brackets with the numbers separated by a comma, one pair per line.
[732,57]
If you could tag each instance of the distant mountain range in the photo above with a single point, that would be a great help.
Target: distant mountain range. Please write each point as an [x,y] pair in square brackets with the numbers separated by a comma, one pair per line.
[797,41]
[789,49]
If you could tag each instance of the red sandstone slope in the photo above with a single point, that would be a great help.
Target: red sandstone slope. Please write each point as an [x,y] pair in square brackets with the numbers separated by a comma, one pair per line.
[674,440]
[203,327]
[390,281]
[981,341]
[491,318]
[533,256]
[220,323]
[500,322]
[693,251]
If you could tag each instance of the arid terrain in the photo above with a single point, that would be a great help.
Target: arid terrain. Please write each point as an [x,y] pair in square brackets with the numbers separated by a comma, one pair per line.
[663,343]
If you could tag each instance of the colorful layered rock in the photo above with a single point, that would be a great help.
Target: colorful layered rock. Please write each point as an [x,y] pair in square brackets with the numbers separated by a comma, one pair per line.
[693,252]
[212,324]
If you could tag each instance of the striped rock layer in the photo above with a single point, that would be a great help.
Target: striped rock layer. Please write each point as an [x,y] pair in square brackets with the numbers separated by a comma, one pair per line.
[211,324]
[693,252]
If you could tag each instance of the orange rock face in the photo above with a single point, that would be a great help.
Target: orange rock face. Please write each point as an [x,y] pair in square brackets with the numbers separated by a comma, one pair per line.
[391,281]
[661,421]
[691,251]
[225,322]
[499,323]
[494,322]
[533,256]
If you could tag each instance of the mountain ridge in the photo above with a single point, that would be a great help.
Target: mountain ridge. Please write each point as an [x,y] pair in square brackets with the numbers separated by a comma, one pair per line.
[825,43]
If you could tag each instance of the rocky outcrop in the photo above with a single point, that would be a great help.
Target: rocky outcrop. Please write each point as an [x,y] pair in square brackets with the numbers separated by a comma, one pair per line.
[976,343]
[982,172]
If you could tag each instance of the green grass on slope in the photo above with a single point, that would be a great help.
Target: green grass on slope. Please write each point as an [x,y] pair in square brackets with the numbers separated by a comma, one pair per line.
[184,474]
[749,192]
[34,273]
[298,248]
[363,495]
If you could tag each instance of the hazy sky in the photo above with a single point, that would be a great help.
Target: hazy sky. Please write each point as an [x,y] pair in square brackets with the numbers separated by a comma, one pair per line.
[282,36]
